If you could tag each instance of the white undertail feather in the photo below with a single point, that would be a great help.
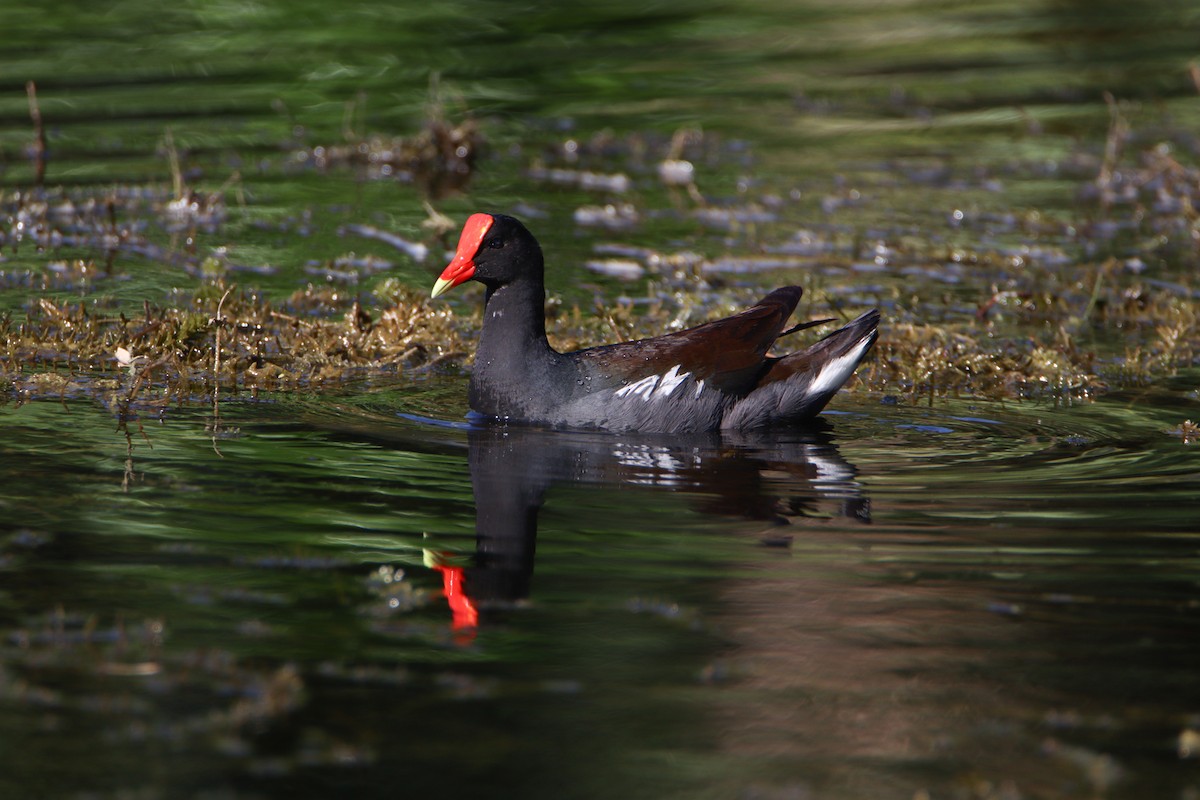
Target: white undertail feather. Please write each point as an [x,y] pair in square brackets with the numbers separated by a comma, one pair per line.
[836,371]
[800,396]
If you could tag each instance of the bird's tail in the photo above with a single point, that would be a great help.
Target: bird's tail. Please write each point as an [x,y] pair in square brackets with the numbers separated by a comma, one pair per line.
[796,387]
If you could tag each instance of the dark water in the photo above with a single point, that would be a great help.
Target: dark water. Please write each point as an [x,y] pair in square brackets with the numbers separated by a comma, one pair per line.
[349,593]
[893,600]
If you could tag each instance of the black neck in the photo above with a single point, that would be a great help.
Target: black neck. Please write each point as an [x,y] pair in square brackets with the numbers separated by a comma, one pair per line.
[516,372]
[514,319]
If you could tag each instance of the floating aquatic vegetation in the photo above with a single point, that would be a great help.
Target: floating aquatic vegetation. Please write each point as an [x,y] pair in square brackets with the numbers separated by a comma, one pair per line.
[613,216]
[440,159]
[755,263]
[734,218]
[615,183]
[624,268]
[925,361]
[322,336]
[231,699]
[105,219]
[999,303]
[677,172]
[105,223]
[58,275]
[1189,433]
[223,337]
[414,250]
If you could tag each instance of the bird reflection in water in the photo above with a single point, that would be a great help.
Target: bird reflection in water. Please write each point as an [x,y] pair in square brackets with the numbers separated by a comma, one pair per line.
[780,477]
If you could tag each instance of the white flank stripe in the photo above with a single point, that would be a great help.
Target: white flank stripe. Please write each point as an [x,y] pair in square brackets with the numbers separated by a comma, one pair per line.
[653,386]
[670,381]
[835,373]
[644,387]
[699,388]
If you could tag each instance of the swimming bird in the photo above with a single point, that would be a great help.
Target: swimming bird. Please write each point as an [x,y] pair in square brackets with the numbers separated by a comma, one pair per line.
[715,376]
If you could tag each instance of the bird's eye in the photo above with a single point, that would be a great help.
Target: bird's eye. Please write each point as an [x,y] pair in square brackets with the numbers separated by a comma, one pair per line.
[495,243]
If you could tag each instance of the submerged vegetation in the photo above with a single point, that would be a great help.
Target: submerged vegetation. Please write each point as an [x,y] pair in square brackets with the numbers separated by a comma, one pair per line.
[1065,310]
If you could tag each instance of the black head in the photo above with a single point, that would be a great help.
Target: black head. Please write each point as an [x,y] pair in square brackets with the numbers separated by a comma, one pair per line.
[495,250]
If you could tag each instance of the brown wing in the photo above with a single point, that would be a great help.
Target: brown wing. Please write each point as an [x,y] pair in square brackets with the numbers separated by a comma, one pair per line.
[729,353]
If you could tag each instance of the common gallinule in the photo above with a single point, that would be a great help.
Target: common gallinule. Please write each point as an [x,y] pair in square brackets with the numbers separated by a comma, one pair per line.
[714,376]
